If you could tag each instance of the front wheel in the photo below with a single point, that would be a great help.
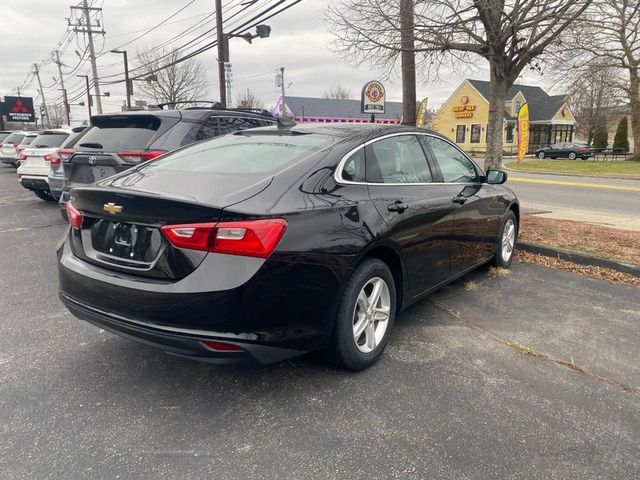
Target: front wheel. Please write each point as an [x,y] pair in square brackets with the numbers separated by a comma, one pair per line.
[365,318]
[541,155]
[507,241]
[572,156]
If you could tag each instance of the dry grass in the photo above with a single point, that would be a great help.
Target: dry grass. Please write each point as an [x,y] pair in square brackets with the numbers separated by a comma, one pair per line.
[498,272]
[595,240]
[471,286]
[600,273]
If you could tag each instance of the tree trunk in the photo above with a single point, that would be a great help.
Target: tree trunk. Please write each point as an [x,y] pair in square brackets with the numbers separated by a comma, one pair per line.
[408,60]
[634,103]
[497,98]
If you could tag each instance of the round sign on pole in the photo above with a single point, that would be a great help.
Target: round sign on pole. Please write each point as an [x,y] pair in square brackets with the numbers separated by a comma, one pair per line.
[373,97]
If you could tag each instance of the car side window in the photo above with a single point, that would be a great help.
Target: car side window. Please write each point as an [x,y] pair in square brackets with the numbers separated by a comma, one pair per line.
[397,159]
[221,125]
[454,165]
[354,167]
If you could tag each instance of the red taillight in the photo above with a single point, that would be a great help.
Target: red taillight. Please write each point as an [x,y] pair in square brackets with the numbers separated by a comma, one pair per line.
[74,215]
[139,156]
[53,158]
[223,347]
[23,157]
[65,153]
[251,238]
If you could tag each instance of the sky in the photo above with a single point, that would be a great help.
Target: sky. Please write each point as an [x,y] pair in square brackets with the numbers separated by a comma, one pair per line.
[299,41]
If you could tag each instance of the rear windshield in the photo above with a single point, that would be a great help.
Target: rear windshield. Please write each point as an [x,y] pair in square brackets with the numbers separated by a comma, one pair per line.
[4,135]
[14,138]
[50,139]
[28,140]
[112,134]
[243,153]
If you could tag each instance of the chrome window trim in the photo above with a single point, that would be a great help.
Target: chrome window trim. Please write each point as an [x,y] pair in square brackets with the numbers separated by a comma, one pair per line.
[337,175]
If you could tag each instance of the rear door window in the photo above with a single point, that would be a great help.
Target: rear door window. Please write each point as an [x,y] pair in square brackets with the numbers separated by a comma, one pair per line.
[49,139]
[221,125]
[113,134]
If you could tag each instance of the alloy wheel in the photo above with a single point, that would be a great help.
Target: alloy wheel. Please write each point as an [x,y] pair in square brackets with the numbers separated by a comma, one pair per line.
[508,240]
[371,315]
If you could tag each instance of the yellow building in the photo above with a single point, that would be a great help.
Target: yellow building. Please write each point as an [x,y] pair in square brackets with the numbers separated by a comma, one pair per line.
[463,118]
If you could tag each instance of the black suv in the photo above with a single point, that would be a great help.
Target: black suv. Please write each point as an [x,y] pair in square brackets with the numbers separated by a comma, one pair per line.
[118,141]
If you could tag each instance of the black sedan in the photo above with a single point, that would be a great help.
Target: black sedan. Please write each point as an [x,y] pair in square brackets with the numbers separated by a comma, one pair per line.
[269,243]
[565,150]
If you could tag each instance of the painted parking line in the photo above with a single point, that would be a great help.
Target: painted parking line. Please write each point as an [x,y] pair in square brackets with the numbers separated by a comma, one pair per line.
[574,184]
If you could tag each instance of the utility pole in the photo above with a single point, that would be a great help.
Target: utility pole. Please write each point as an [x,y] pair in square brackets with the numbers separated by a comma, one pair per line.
[223,54]
[283,106]
[87,28]
[228,81]
[89,99]
[64,90]
[18,88]
[127,81]
[36,71]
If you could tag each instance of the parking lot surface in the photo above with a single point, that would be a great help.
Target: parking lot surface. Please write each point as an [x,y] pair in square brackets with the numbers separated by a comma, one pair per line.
[534,375]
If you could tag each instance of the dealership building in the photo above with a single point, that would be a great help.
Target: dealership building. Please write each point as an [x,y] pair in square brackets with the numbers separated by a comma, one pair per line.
[463,118]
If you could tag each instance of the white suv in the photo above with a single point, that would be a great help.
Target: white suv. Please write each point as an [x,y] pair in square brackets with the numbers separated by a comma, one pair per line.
[12,146]
[33,171]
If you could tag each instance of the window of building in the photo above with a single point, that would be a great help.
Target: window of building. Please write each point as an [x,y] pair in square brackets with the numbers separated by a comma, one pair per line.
[398,159]
[510,130]
[461,134]
[516,108]
[454,165]
[475,133]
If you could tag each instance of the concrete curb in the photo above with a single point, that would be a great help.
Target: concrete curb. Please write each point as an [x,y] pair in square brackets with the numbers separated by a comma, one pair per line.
[580,258]
[559,174]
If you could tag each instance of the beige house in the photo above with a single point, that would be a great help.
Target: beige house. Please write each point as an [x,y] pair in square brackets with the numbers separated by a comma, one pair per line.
[463,118]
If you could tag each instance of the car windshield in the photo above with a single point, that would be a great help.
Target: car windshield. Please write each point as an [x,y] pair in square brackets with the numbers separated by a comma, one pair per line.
[243,153]
[49,139]
[119,132]
[28,140]
[4,135]
[14,138]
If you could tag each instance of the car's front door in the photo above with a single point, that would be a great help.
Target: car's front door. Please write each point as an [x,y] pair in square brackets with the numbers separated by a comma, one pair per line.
[478,208]
[417,211]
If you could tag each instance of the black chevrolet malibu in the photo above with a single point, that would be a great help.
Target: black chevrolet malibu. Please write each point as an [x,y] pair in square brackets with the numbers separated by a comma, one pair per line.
[268,243]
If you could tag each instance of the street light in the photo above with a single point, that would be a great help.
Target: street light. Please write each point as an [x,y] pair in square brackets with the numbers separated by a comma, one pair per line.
[127,81]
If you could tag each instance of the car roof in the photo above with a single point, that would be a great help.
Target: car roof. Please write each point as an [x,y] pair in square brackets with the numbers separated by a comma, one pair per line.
[349,130]
[54,131]
[191,113]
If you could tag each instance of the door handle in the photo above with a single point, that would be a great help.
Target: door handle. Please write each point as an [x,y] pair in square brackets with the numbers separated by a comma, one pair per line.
[397,206]
[459,199]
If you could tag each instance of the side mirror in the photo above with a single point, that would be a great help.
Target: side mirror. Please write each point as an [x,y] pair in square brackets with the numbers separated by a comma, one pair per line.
[496,177]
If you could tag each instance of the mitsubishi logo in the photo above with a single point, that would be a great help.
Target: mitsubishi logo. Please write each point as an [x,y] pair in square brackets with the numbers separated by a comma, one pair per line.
[112,208]
[19,107]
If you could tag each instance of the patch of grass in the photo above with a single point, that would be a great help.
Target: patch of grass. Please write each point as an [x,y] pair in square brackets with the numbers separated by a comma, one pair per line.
[626,168]
[498,272]
[471,286]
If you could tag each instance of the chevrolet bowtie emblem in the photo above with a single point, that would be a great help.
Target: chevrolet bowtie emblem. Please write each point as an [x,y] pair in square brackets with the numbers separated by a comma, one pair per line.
[112,208]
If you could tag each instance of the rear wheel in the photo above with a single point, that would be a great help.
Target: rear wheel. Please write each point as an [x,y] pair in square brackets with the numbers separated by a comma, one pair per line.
[507,241]
[43,195]
[365,318]
[572,156]
[541,155]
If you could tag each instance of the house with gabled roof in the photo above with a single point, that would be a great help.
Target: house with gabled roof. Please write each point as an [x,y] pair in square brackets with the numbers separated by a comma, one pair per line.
[463,118]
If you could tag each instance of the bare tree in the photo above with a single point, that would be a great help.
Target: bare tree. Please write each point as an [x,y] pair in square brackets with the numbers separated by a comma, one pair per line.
[509,34]
[609,35]
[168,81]
[337,92]
[249,100]
[57,116]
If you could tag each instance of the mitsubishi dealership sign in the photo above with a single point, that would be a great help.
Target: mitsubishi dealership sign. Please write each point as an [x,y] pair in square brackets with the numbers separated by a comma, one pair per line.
[18,109]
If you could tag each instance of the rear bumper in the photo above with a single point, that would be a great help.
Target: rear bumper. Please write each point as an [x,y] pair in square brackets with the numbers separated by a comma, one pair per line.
[181,342]
[34,182]
[55,186]
[9,160]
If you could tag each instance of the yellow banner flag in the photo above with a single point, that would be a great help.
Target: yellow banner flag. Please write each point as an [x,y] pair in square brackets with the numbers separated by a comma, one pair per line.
[421,117]
[523,131]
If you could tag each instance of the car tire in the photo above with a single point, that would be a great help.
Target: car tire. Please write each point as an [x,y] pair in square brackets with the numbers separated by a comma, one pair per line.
[43,195]
[357,350]
[541,155]
[572,156]
[506,241]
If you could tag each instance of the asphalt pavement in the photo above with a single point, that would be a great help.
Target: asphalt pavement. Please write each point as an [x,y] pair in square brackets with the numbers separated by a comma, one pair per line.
[534,375]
